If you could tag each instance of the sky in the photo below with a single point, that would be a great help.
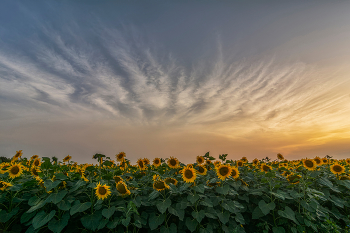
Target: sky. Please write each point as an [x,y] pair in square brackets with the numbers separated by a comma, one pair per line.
[175,78]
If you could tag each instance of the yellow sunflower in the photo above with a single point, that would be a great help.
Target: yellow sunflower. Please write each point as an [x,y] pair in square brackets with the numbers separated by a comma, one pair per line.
[234,172]
[239,163]
[170,180]
[256,161]
[146,161]
[35,171]
[244,159]
[309,164]
[37,162]
[189,174]
[141,164]
[102,191]
[67,158]
[200,160]
[160,185]
[157,162]
[122,189]
[318,161]
[18,154]
[173,162]
[202,170]
[15,170]
[293,178]
[117,179]
[223,171]
[337,169]
[345,177]
[4,185]
[207,162]
[265,168]
[280,156]
[34,157]
[324,160]
[120,157]
[213,184]
[347,161]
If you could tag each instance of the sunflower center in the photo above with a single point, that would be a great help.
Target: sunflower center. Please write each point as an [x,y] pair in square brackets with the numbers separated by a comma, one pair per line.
[240,164]
[170,180]
[293,179]
[200,160]
[188,174]
[121,188]
[159,185]
[317,161]
[266,168]
[36,162]
[223,171]
[201,170]
[117,179]
[337,168]
[309,163]
[172,162]
[35,172]
[141,164]
[14,170]
[233,173]
[156,161]
[102,190]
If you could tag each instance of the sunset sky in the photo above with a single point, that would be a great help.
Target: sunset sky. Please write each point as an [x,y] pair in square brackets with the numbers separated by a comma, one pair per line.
[175,78]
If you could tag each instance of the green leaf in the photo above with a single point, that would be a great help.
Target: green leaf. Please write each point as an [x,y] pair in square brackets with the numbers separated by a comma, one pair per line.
[257,213]
[50,185]
[191,224]
[60,176]
[177,212]
[207,202]
[102,224]
[224,217]
[37,206]
[345,183]
[77,185]
[265,208]
[163,205]
[56,197]
[279,195]
[80,207]
[198,215]
[193,198]
[108,212]
[26,217]
[153,195]
[155,220]
[239,218]
[64,205]
[58,225]
[4,216]
[223,190]
[42,218]
[199,188]
[33,201]
[91,222]
[288,213]
[126,221]
[278,230]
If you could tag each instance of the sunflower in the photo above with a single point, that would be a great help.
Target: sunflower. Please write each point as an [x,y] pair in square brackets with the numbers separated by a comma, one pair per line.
[18,154]
[160,185]
[67,158]
[141,164]
[207,162]
[209,184]
[117,179]
[84,178]
[217,163]
[244,159]
[4,185]
[318,161]
[35,171]
[155,177]
[346,177]
[123,189]
[200,159]
[293,178]
[347,161]
[337,169]
[189,174]
[146,161]
[34,157]
[265,168]
[202,170]
[15,170]
[234,172]
[102,191]
[157,162]
[173,162]
[280,156]
[170,180]
[37,162]
[324,160]
[120,157]
[309,164]
[239,163]
[223,171]
[256,161]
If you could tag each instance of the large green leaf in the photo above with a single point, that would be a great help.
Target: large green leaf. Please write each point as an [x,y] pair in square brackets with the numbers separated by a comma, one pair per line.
[198,215]
[91,222]
[56,197]
[265,208]
[58,225]
[288,213]
[27,216]
[164,205]
[64,205]
[80,207]
[108,212]
[77,185]
[42,218]
[193,198]
[257,213]
[224,217]
[191,224]
[4,216]
[49,184]
[37,206]
[155,220]
[278,230]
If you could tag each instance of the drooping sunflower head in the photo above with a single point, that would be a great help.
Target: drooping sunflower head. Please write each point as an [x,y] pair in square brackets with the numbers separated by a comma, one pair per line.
[123,189]
[4,185]
[345,177]
[67,158]
[337,168]
[36,162]
[239,163]
[34,157]
[189,174]
[170,180]
[200,159]
[15,170]
[160,185]
[280,156]
[202,170]
[244,159]
[208,162]
[234,172]
[141,164]
[146,161]
[223,171]
[265,168]
[347,161]
[256,161]
[318,161]
[217,163]
[18,154]
[120,157]
[293,178]
[309,164]
[117,179]
[102,191]
[157,162]
[35,171]
[173,162]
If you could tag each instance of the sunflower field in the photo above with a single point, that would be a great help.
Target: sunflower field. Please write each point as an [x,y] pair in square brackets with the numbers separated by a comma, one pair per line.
[165,195]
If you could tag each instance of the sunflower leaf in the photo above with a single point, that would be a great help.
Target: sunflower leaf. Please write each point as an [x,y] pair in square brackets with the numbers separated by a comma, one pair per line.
[108,212]
[42,218]
[58,225]
[80,207]
[164,205]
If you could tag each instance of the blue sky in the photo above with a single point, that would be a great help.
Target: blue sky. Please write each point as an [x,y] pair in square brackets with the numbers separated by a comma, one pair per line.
[175,78]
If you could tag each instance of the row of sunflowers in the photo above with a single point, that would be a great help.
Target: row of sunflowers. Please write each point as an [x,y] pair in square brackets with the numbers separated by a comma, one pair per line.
[165,195]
